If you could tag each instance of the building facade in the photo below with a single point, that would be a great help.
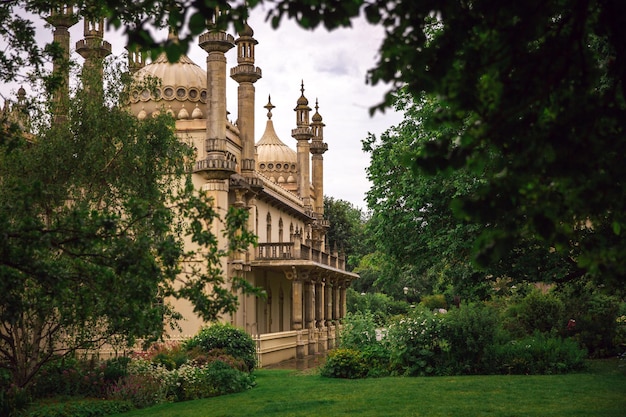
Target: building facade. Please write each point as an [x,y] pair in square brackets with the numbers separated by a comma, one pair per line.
[304,281]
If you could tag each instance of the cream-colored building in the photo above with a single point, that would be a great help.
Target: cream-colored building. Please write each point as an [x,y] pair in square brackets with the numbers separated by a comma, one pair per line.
[305,281]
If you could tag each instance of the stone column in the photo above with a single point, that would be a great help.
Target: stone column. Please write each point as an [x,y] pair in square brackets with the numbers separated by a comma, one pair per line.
[328,299]
[309,296]
[342,301]
[296,304]
[320,313]
[336,300]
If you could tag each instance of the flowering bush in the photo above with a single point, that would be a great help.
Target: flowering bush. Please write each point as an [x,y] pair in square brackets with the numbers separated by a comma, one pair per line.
[142,390]
[358,331]
[416,345]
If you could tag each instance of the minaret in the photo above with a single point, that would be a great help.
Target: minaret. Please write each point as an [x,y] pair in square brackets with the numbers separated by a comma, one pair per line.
[302,133]
[136,59]
[62,18]
[318,147]
[216,166]
[246,74]
[94,49]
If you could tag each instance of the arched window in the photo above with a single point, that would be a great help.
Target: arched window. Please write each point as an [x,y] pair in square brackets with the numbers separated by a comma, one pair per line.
[280,230]
[269,227]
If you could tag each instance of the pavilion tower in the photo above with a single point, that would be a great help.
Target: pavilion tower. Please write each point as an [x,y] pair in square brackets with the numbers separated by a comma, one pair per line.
[62,18]
[246,74]
[318,147]
[94,49]
[302,133]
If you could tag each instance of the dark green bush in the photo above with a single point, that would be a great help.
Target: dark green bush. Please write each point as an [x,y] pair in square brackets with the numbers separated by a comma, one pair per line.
[79,408]
[379,306]
[434,301]
[595,315]
[233,341]
[13,400]
[536,312]
[538,354]
[70,376]
[469,331]
[227,380]
[115,369]
[344,363]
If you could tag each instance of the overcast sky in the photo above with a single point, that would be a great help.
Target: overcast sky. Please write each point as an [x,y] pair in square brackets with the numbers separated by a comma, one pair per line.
[333,66]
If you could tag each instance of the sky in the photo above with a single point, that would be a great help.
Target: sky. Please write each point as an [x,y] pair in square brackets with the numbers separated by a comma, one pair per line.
[333,66]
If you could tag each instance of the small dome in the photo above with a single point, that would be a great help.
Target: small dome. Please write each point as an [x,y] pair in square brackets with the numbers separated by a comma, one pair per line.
[183,113]
[181,82]
[197,113]
[246,30]
[271,150]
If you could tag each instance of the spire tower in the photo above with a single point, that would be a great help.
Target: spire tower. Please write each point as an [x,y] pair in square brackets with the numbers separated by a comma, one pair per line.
[318,147]
[216,165]
[94,49]
[246,74]
[62,18]
[302,133]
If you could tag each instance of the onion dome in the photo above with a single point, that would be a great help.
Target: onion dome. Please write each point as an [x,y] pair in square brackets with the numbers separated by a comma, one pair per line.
[275,159]
[246,30]
[317,117]
[183,84]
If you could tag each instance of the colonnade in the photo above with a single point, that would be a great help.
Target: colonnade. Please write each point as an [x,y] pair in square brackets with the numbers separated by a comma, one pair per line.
[318,305]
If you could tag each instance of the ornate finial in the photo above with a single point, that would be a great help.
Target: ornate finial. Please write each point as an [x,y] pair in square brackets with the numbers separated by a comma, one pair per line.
[302,87]
[172,34]
[316,105]
[269,106]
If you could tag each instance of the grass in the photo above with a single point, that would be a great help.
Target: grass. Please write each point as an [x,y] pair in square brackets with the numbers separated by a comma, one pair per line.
[601,391]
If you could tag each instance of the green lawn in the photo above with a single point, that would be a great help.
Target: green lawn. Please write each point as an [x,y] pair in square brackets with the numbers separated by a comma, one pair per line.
[600,392]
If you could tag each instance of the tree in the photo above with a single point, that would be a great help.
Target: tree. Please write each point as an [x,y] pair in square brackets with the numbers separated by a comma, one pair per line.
[413,223]
[347,229]
[540,85]
[93,214]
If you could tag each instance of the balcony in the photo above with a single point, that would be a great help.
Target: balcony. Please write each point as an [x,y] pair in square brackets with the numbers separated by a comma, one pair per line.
[298,251]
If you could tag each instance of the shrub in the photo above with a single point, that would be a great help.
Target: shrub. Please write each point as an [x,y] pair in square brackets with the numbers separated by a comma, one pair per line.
[344,363]
[115,369]
[232,340]
[13,400]
[536,312]
[358,331]
[538,354]
[415,344]
[169,354]
[212,379]
[435,301]
[201,358]
[141,390]
[596,316]
[226,380]
[469,331]
[70,376]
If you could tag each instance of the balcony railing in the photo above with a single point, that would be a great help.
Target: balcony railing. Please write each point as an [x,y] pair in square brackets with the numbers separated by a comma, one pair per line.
[296,250]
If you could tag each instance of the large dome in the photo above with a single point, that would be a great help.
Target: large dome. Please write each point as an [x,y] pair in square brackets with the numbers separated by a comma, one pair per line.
[275,159]
[183,89]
